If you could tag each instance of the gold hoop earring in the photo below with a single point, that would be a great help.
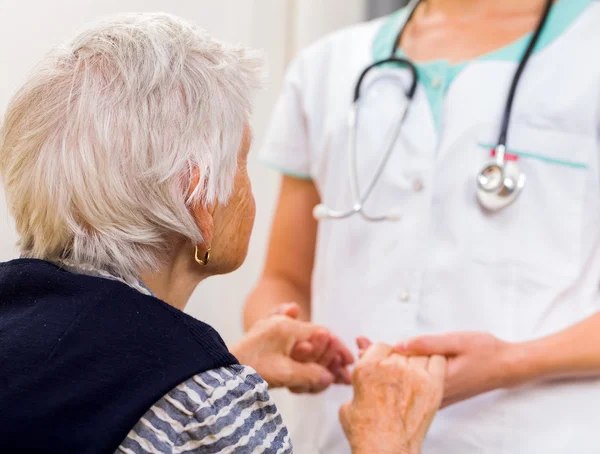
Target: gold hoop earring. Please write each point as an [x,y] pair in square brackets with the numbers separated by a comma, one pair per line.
[206,259]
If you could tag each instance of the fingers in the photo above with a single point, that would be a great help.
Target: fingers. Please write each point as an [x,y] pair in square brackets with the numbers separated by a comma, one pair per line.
[325,347]
[291,310]
[445,345]
[343,376]
[330,358]
[346,356]
[340,371]
[395,359]
[302,351]
[308,378]
[320,341]
[437,369]
[418,362]
[368,369]
[376,353]
[317,335]
[320,347]
[332,353]
[362,343]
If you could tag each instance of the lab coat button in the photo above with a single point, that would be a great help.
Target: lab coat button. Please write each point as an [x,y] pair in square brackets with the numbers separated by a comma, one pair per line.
[418,185]
[404,296]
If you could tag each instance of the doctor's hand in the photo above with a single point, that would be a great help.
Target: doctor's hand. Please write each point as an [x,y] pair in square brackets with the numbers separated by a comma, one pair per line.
[395,401]
[268,348]
[322,348]
[477,362]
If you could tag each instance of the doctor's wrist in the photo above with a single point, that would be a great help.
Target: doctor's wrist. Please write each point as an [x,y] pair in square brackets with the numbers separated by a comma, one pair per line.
[519,364]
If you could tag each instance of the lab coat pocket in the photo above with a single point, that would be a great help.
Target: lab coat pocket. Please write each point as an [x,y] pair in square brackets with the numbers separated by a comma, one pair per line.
[541,231]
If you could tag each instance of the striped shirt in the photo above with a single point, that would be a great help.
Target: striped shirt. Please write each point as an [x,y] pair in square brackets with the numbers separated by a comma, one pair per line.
[226,410]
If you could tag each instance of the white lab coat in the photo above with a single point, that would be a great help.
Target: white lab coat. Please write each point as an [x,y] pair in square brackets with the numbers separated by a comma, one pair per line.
[527,271]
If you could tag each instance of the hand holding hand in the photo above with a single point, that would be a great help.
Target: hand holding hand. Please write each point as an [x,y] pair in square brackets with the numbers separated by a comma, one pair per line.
[477,362]
[322,348]
[269,346]
[395,400]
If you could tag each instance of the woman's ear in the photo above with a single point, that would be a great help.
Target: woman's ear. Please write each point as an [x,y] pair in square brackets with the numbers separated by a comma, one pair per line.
[203,215]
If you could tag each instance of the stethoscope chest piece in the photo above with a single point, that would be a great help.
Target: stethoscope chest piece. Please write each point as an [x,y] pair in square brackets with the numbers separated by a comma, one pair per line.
[499,185]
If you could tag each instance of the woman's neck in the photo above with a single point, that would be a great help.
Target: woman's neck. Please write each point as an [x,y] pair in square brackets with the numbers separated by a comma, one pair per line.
[177,279]
[477,8]
[460,30]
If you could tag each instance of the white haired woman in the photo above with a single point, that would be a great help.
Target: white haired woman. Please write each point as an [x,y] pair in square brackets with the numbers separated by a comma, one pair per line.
[123,158]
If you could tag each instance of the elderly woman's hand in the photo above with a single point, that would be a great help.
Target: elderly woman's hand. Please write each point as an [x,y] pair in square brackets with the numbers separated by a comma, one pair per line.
[395,400]
[322,348]
[268,348]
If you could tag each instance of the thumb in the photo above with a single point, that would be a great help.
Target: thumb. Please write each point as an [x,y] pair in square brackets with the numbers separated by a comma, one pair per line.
[291,310]
[308,377]
[376,353]
[444,345]
[300,330]
[363,343]
[437,369]
[344,415]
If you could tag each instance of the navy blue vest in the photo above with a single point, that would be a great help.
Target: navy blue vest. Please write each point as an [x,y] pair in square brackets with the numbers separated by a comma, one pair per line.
[83,358]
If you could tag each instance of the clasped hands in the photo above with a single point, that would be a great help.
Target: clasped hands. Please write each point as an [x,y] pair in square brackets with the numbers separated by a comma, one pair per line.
[308,359]
[395,396]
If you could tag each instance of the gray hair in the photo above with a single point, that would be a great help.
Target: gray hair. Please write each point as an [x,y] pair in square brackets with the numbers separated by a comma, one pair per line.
[97,148]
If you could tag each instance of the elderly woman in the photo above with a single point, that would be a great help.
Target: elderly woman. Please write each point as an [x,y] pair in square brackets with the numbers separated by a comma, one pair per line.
[123,159]
[124,163]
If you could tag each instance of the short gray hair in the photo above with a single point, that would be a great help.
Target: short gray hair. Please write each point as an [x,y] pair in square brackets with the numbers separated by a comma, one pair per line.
[97,148]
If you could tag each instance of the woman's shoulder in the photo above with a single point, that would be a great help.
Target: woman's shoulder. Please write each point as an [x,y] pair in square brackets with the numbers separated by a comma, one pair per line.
[220,409]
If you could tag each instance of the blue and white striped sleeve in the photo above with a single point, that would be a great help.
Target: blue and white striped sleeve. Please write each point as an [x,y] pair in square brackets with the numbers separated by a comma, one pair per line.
[227,410]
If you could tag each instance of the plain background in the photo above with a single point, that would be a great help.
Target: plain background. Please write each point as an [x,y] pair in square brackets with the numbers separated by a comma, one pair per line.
[376,8]
[29,28]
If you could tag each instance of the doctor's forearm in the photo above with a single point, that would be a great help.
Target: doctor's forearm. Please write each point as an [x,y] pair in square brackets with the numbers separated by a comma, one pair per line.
[269,294]
[571,353]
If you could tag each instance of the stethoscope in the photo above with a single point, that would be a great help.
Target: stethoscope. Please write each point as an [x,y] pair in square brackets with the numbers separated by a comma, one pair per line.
[498,184]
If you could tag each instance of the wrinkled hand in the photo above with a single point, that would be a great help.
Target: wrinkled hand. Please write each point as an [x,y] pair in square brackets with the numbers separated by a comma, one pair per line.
[395,400]
[321,348]
[477,362]
[268,346]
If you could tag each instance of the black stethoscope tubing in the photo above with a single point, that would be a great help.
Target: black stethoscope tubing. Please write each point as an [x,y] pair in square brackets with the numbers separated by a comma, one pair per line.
[504,128]
[497,185]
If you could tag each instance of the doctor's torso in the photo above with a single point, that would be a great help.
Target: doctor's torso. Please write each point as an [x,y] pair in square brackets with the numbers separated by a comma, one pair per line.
[526,271]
